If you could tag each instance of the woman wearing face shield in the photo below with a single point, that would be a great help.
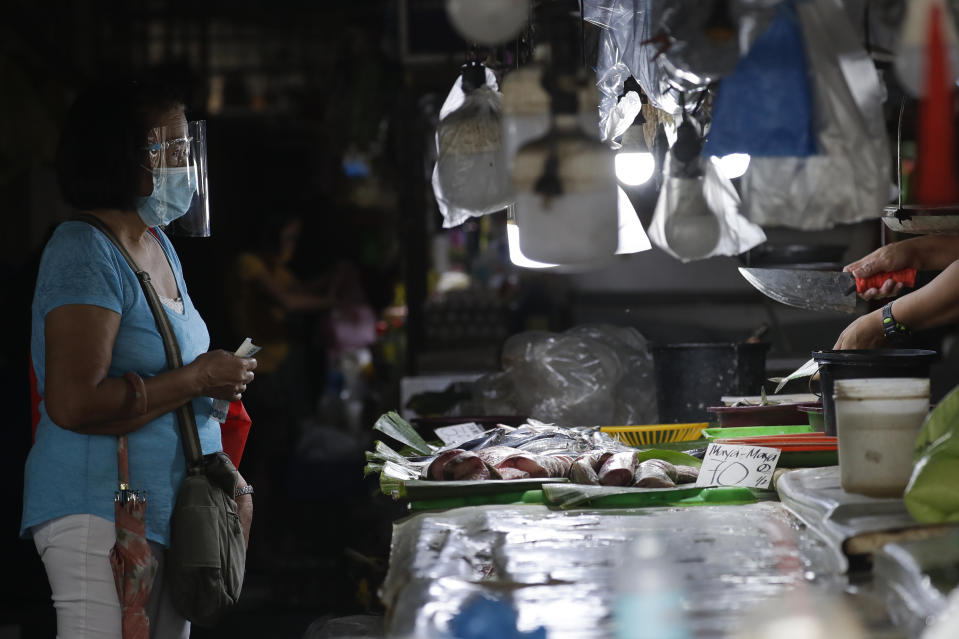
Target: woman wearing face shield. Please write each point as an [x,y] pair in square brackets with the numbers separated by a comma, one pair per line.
[99,357]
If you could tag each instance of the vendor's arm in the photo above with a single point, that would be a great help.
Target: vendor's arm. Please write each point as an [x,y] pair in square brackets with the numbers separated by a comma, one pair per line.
[290,295]
[927,252]
[79,396]
[935,304]
[291,298]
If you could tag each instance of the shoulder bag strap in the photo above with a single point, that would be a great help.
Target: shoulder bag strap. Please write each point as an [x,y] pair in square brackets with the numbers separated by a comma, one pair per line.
[186,418]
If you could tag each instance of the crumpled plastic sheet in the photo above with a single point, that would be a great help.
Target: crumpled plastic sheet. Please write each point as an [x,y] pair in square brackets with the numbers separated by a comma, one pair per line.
[815,496]
[487,183]
[735,233]
[849,179]
[589,375]
[561,569]
[627,24]
[946,624]
[915,579]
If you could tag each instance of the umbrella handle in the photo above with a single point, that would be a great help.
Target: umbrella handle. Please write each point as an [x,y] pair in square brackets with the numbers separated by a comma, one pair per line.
[123,463]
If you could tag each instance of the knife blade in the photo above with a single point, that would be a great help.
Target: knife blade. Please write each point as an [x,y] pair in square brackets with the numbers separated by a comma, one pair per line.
[819,290]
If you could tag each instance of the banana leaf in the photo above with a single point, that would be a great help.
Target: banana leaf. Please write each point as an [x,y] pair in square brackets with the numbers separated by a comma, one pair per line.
[391,424]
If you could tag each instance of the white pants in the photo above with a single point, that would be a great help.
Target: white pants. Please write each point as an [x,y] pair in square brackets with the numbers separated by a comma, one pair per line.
[76,554]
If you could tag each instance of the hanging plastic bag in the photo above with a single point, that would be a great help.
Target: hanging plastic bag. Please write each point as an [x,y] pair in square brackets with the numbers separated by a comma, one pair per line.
[703,43]
[624,51]
[764,108]
[470,178]
[848,180]
[617,107]
[699,217]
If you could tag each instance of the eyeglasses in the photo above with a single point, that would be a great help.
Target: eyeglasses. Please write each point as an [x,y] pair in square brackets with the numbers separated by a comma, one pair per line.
[177,150]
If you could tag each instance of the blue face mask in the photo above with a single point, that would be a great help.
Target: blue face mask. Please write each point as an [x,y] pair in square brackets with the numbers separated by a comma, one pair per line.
[171,198]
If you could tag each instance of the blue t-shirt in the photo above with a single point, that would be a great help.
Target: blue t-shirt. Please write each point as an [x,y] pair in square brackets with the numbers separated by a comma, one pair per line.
[71,473]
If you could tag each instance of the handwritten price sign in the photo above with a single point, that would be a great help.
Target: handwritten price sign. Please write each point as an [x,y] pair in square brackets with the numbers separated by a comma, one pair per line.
[458,433]
[728,465]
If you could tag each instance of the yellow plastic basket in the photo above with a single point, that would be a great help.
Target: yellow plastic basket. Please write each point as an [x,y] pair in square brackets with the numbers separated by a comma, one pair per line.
[656,433]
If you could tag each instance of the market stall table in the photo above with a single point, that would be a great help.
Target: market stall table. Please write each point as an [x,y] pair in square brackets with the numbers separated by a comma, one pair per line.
[566,570]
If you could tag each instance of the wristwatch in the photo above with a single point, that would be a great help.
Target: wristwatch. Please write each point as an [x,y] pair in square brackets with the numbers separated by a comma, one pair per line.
[245,490]
[896,332]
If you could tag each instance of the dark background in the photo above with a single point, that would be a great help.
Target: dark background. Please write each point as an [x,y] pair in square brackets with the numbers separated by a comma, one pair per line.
[285,87]
[289,89]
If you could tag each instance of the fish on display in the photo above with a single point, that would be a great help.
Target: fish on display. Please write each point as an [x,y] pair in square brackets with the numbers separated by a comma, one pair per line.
[457,464]
[655,473]
[686,474]
[584,455]
[618,469]
[582,472]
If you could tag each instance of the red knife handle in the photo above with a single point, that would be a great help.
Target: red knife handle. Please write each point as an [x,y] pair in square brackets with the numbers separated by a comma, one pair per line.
[907,276]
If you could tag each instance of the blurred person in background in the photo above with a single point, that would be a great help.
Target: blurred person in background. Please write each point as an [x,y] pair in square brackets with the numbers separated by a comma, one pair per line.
[267,301]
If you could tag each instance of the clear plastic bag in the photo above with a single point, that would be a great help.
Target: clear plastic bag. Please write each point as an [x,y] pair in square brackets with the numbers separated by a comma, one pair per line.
[627,24]
[470,177]
[589,375]
[699,217]
[848,180]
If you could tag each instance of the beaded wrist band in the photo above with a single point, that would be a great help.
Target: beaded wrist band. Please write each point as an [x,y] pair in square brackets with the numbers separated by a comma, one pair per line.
[894,331]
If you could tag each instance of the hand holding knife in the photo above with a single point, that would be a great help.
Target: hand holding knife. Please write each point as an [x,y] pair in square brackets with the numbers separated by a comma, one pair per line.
[822,290]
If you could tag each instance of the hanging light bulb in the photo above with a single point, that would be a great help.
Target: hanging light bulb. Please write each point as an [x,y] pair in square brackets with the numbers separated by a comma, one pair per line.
[488,22]
[512,240]
[633,169]
[634,163]
[733,165]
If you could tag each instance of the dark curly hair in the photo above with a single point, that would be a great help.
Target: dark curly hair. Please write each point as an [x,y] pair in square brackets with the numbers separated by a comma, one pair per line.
[100,153]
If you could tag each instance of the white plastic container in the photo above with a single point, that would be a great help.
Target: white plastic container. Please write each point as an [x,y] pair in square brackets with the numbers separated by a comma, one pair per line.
[877,421]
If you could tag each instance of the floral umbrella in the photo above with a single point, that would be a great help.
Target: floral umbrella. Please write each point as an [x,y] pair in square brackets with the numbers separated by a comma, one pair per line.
[134,565]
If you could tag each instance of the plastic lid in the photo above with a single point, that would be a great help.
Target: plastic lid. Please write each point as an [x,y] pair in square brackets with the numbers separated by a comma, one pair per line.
[881,388]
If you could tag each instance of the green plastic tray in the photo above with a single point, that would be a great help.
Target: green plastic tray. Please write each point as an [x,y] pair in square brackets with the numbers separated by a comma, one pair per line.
[755,431]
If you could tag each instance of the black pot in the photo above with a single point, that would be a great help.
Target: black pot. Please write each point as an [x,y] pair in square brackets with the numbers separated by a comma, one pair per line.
[692,377]
[856,364]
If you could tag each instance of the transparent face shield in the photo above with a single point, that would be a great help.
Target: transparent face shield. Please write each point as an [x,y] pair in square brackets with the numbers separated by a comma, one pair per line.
[180,202]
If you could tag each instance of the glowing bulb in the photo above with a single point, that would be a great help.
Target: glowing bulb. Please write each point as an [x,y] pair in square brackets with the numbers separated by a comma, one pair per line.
[733,165]
[490,21]
[633,169]
[515,254]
